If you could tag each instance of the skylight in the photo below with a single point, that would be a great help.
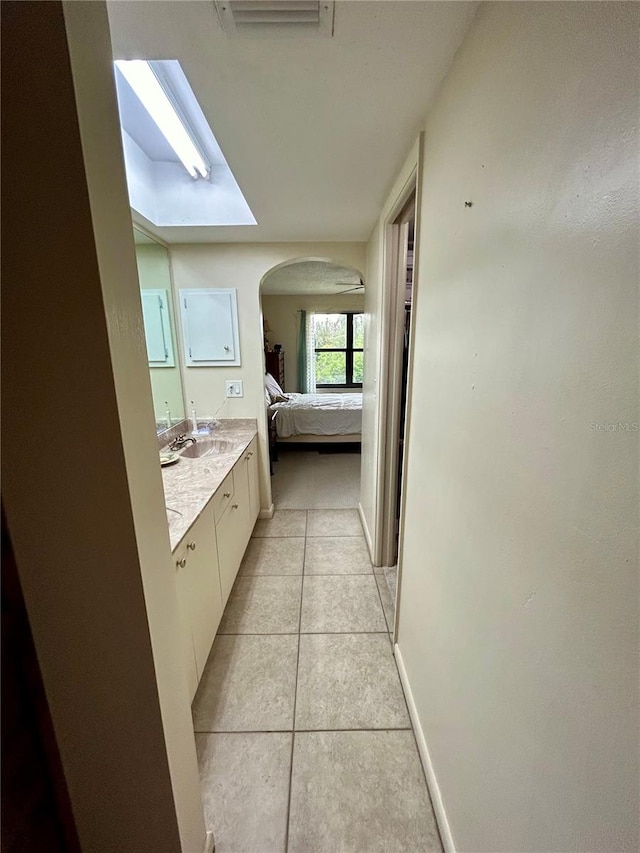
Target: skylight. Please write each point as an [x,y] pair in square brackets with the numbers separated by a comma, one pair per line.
[176,171]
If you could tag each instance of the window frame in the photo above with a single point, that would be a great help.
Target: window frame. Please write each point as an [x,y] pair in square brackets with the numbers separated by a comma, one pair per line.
[349,350]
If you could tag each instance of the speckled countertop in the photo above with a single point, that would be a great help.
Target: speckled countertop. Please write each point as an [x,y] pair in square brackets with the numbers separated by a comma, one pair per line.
[190,484]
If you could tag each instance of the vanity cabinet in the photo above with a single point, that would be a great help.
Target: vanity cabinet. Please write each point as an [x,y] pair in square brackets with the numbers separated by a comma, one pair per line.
[208,558]
[199,595]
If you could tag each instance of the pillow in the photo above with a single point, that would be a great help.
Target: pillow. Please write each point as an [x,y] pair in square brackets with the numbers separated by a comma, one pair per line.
[274,391]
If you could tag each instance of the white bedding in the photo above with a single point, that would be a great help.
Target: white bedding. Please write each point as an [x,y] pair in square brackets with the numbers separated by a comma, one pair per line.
[318,414]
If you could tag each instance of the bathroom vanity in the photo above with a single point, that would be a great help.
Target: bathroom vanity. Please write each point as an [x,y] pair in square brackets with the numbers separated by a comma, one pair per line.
[212,499]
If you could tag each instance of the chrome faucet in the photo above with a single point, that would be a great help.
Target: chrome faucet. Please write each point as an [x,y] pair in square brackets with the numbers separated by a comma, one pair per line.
[180,441]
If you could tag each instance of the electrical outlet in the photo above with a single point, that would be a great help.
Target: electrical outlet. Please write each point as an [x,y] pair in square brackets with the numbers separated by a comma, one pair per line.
[234,388]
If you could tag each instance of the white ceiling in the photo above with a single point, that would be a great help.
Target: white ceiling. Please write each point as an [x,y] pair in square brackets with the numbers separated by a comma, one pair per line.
[314,130]
[313,276]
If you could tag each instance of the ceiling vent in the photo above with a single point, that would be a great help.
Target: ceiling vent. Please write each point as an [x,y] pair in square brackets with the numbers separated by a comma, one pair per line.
[276,18]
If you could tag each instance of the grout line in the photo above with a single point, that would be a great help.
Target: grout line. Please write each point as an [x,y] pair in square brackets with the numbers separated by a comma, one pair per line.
[243,731]
[299,731]
[278,537]
[295,694]
[316,536]
[299,574]
[386,621]
[293,633]
[310,574]
[328,731]
[337,536]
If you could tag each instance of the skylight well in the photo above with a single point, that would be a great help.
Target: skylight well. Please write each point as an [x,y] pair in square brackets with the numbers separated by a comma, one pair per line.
[176,171]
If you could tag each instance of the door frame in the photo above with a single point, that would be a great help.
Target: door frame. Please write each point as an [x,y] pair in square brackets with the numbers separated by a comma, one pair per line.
[398,235]
[391,369]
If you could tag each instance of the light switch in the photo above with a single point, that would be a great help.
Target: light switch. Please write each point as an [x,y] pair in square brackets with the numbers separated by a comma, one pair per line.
[234,388]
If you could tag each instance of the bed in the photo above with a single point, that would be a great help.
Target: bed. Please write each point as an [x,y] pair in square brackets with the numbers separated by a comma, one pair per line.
[318,418]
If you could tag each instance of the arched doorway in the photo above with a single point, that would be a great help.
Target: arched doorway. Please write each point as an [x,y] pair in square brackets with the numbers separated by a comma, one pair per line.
[313,322]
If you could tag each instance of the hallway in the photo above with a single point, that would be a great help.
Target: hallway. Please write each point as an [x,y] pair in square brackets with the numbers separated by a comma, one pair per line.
[303,735]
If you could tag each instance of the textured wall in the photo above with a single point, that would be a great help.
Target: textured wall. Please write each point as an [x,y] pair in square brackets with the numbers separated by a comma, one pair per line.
[519,611]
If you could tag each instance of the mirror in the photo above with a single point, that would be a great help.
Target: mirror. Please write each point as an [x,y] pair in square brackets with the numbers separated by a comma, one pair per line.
[160,330]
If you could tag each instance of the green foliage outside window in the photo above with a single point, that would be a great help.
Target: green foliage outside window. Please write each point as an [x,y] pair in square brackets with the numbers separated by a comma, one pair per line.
[338,337]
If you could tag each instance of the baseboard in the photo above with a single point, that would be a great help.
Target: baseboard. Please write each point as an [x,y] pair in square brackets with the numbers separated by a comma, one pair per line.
[266,513]
[432,782]
[365,527]
[209,843]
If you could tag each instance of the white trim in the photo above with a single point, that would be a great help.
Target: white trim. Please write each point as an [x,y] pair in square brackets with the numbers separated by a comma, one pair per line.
[209,843]
[266,513]
[432,782]
[365,528]
[144,228]
[406,179]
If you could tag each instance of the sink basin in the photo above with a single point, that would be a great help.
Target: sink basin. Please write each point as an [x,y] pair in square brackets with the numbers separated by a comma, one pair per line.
[208,447]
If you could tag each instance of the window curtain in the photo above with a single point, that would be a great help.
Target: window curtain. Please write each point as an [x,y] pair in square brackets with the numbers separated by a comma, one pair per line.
[306,355]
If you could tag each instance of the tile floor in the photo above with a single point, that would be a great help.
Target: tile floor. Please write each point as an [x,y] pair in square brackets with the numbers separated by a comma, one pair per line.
[302,730]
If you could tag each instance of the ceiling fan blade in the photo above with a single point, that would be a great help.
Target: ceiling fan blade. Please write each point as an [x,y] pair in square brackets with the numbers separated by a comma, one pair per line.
[357,287]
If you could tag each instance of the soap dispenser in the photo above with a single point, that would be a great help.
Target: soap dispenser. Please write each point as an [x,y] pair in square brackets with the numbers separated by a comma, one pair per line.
[167,414]
[194,419]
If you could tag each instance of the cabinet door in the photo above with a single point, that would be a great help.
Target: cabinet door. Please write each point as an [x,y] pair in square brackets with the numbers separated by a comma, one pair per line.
[186,639]
[254,481]
[157,328]
[203,586]
[233,530]
[241,497]
[229,534]
[210,327]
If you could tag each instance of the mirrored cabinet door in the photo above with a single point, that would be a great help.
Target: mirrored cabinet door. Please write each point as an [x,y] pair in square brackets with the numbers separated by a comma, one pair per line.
[160,329]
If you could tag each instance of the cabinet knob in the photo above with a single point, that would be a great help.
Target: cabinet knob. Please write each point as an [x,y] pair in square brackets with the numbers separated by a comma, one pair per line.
[191,546]
[234,506]
[226,349]
[182,563]
[226,495]
[250,454]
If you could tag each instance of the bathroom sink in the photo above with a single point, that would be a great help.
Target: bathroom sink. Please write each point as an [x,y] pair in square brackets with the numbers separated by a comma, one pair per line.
[208,447]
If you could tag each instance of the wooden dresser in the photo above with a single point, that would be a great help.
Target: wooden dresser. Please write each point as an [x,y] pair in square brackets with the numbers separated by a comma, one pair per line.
[275,366]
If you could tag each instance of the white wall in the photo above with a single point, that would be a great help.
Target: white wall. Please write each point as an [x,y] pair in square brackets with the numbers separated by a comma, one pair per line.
[87,521]
[243,266]
[518,619]
[283,317]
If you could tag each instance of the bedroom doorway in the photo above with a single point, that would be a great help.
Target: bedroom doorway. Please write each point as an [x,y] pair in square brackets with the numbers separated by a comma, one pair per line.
[312,313]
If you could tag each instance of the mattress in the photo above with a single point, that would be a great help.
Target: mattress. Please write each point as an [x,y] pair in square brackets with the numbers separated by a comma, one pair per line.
[318,414]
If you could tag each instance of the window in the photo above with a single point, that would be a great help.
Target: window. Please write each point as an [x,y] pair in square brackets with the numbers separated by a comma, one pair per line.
[339,343]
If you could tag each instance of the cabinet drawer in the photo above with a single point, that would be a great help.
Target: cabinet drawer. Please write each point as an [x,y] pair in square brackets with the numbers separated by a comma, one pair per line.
[222,497]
